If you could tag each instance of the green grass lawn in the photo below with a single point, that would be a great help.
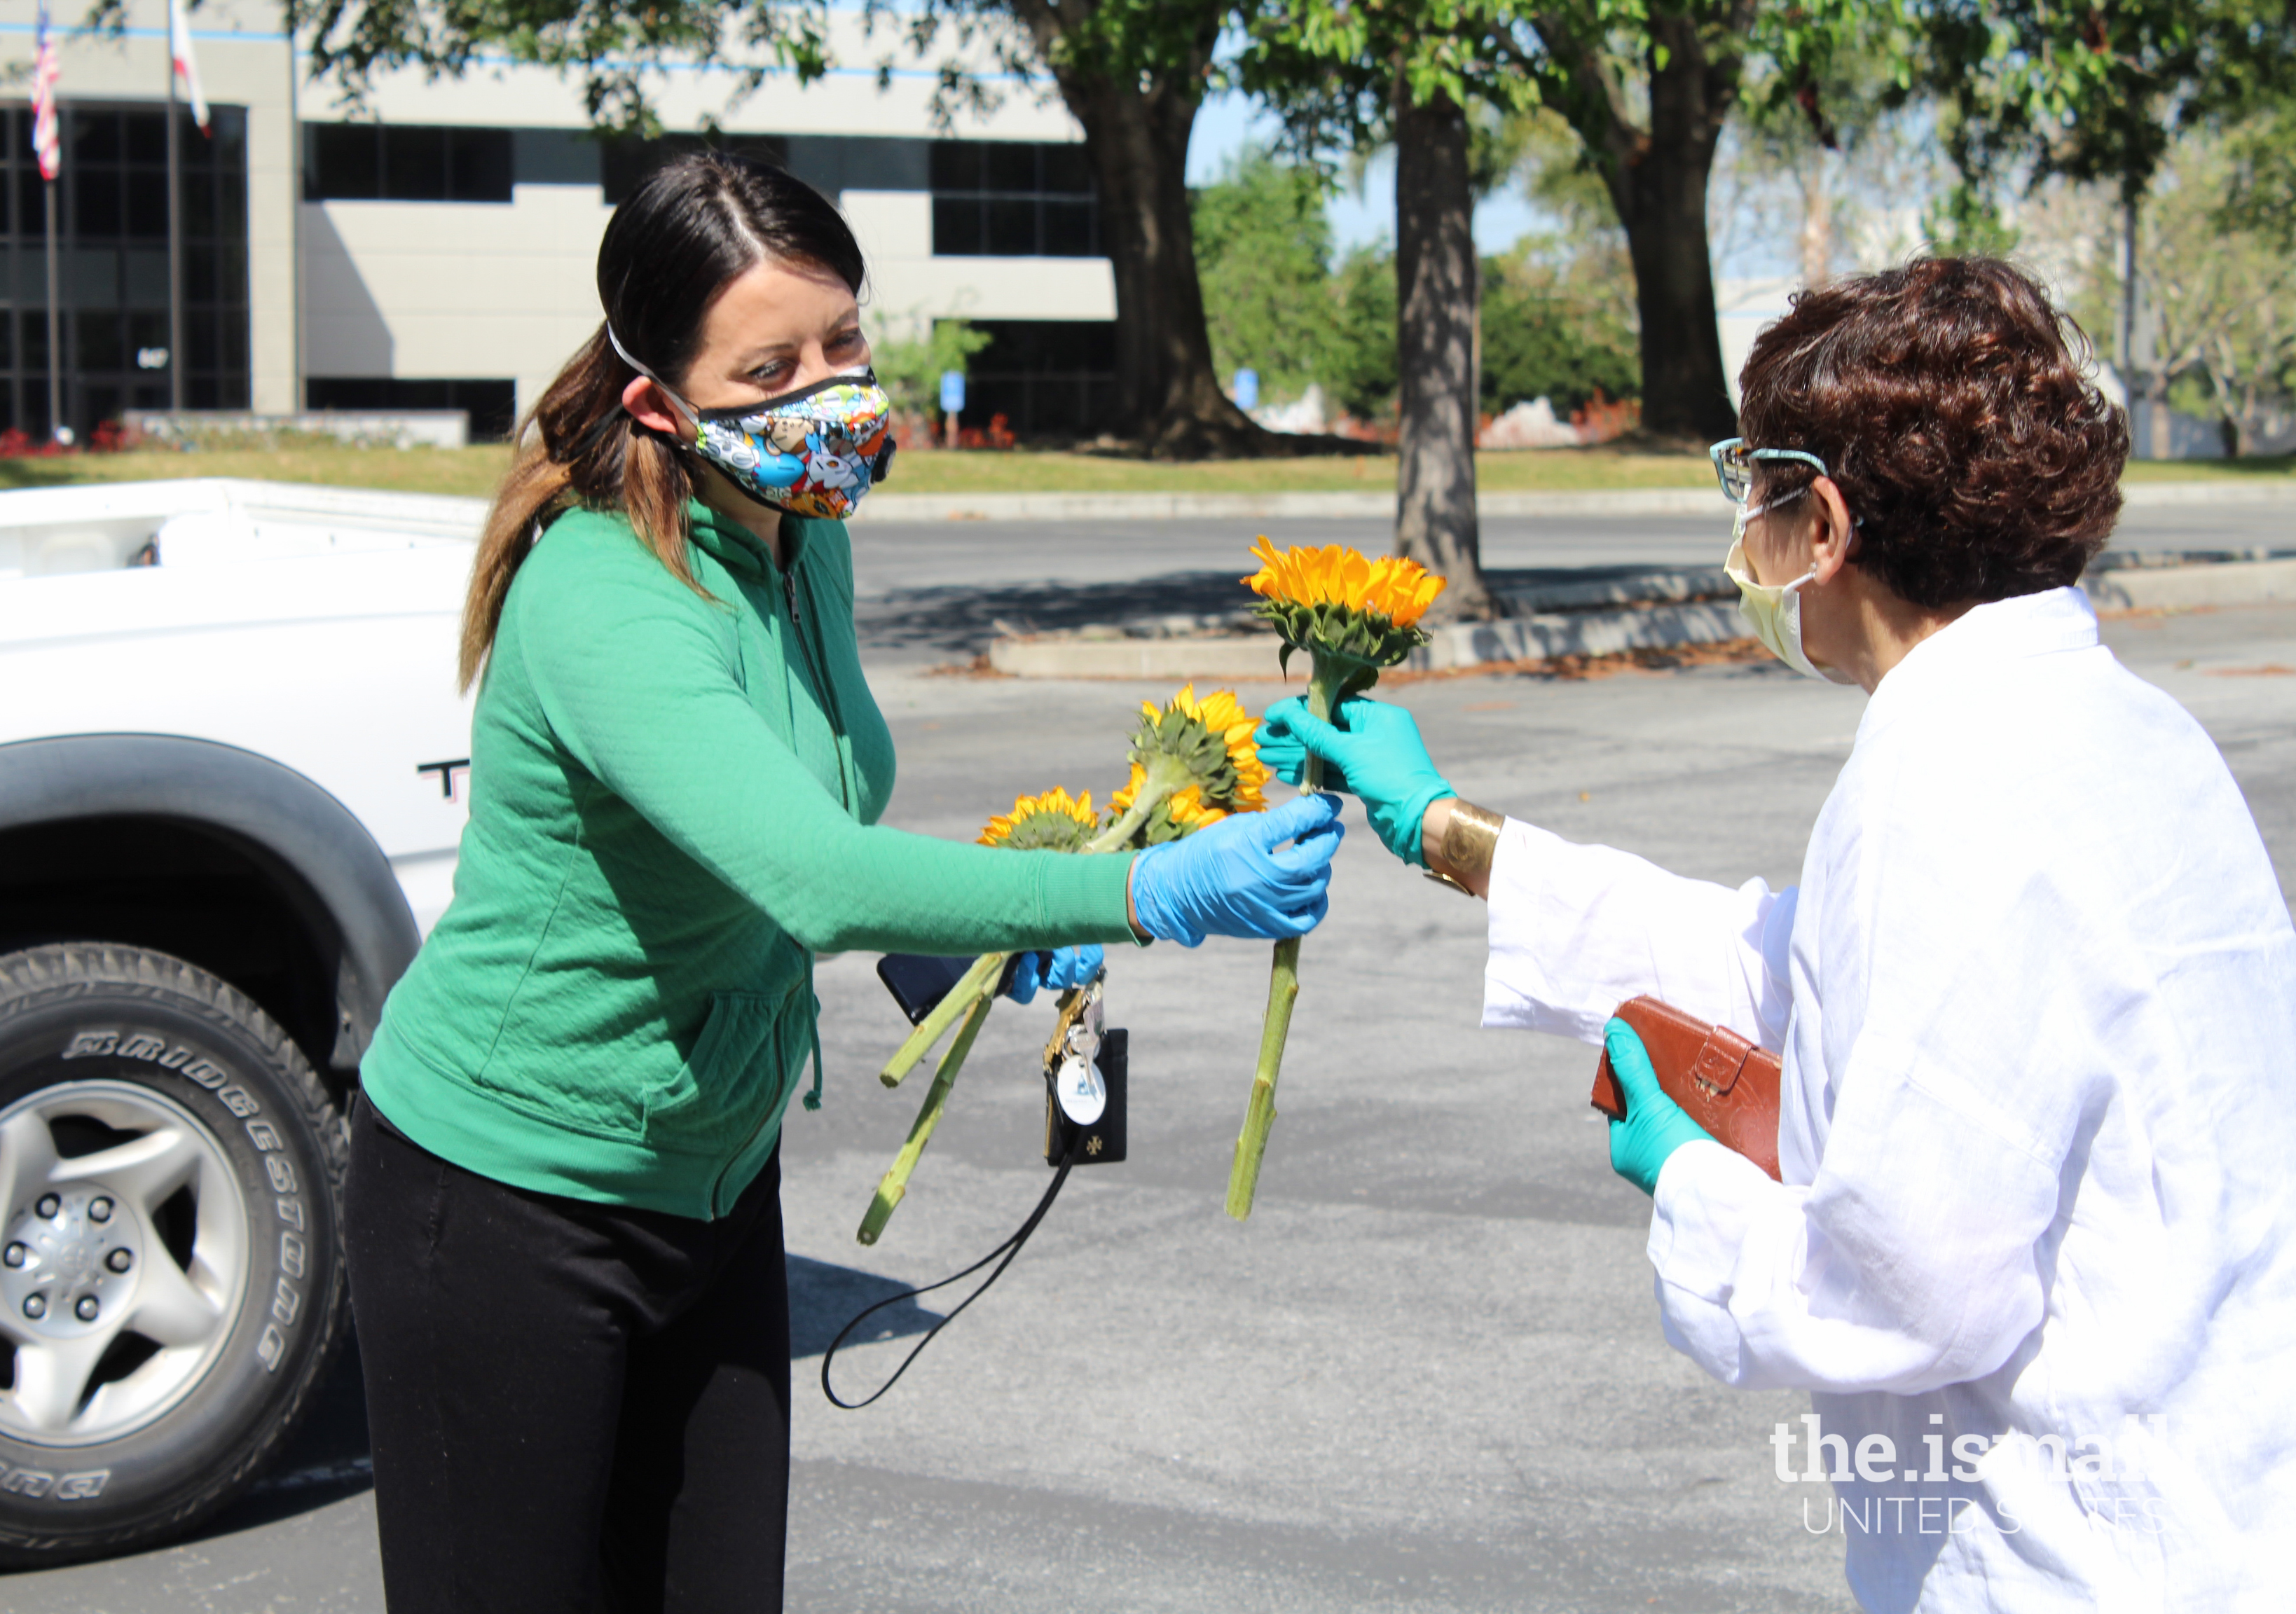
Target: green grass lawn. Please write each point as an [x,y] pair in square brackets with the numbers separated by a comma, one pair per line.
[474,472]
[455,471]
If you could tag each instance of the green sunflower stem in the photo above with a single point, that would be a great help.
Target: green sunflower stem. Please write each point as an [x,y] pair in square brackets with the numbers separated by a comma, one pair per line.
[989,966]
[1112,837]
[1282,992]
[978,982]
[896,1182]
[1162,778]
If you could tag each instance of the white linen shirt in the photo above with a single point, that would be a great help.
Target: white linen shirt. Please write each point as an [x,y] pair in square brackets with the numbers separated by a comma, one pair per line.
[2036,996]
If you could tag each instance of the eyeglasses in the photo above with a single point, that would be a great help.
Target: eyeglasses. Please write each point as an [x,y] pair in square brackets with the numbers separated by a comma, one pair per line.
[1733,466]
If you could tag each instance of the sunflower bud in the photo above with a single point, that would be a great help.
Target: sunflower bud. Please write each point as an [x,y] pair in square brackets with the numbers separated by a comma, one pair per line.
[1054,822]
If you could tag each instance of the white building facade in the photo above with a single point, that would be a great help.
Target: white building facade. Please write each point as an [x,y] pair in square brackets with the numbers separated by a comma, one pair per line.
[437,248]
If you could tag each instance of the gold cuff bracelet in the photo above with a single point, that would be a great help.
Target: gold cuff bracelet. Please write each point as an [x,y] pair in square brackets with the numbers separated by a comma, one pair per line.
[1464,859]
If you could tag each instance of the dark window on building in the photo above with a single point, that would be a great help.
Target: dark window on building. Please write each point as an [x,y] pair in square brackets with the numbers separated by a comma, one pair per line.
[492,405]
[1013,199]
[833,164]
[628,162]
[111,250]
[1048,378]
[553,157]
[404,162]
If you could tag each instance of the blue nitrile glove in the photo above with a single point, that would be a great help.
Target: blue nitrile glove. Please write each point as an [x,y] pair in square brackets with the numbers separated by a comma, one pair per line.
[1238,878]
[1655,1126]
[1060,969]
[1379,755]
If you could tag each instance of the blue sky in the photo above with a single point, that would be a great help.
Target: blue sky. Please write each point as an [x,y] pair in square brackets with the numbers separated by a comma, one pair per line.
[1228,122]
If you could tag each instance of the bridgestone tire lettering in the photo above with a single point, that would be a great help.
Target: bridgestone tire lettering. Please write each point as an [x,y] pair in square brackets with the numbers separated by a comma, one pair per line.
[129,1019]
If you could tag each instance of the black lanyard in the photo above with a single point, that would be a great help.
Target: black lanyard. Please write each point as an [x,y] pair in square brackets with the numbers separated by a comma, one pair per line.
[1009,1248]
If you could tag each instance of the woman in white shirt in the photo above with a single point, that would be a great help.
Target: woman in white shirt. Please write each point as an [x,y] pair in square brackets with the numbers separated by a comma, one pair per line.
[2035,996]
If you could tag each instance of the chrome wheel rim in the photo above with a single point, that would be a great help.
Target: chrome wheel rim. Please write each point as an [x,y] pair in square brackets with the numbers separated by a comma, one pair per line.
[123,1259]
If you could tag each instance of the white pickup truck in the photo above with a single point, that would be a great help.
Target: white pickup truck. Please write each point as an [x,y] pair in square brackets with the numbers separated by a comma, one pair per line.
[232,772]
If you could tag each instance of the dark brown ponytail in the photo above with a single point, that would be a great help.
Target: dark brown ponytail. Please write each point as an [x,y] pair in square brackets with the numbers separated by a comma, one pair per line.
[697,224]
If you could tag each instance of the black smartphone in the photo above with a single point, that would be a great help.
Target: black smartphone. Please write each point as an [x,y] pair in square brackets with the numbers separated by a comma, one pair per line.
[919,981]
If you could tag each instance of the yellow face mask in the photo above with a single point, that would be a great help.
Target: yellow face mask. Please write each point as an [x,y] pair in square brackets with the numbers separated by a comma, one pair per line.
[1773,610]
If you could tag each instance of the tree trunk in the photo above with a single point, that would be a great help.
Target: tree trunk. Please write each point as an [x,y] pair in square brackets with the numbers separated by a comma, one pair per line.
[1657,178]
[2159,428]
[1168,397]
[1435,283]
[1816,223]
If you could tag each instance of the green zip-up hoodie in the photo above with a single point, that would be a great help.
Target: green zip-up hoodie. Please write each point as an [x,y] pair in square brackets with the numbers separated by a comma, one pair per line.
[672,801]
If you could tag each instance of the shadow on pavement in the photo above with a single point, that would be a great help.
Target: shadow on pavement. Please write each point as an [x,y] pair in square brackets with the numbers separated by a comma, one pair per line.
[328,1458]
[961,619]
[823,1299]
[325,1462]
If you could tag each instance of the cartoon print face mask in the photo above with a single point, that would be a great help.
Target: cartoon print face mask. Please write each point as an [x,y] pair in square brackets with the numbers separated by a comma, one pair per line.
[815,452]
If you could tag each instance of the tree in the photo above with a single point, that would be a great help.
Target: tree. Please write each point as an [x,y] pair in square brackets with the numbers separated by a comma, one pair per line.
[1649,90]
[2221,294]
[1559,316]
[1359,360]
[1264,256]
[2099,92]
[1351,74]
[1832,121]
[1133,73]
[610,45]
[1553,328]
[911,368]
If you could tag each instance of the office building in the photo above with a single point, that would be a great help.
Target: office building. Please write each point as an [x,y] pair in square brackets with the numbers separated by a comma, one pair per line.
[435,249]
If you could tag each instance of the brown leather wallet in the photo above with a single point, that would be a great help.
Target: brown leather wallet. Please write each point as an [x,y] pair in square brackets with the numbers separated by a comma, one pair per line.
[1723,1082]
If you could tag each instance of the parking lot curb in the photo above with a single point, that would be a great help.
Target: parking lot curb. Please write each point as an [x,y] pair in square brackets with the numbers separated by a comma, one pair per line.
[2183,587]
[1253,657]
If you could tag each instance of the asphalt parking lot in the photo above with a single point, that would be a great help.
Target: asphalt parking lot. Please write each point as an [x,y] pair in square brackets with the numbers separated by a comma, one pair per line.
[1427,1375]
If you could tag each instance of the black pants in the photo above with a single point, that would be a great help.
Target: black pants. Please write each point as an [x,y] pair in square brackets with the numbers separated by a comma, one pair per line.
[575,1407]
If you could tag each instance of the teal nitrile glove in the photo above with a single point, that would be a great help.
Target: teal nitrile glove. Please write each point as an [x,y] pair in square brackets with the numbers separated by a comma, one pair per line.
[1060,969]
[1379,755]
[1655,1126]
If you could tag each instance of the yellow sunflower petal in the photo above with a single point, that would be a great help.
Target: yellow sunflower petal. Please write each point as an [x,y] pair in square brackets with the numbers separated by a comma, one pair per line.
[1055,802]
[1128,792]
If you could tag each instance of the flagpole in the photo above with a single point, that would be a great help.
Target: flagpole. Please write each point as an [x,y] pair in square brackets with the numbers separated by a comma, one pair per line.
[47,147]
[174,236]
[295,214]
[55,375]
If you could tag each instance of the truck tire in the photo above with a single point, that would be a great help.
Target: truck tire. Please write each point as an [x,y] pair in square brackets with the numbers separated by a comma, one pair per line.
[171,1278]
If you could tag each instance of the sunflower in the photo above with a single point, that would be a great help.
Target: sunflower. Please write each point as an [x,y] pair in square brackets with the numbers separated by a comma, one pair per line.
[1353,617]
[1054,822]
[1399,590]
[1182,812]
[1194,763]
[1334,602]
[1218,716]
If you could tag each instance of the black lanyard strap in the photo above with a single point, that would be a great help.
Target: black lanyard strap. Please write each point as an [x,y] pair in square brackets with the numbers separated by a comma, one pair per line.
[1009,1248]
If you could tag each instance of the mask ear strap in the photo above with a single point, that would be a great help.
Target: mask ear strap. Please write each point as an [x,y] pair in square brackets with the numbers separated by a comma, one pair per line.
[632,360]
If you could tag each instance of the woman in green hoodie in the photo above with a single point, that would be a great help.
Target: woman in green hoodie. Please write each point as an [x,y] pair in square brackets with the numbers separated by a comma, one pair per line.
[563,1201]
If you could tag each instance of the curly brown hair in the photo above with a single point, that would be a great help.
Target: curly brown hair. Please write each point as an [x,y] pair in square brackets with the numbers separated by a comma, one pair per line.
[1950,401]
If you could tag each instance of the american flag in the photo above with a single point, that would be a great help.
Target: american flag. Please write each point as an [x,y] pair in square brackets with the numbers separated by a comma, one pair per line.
[46,146]
[186,65]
